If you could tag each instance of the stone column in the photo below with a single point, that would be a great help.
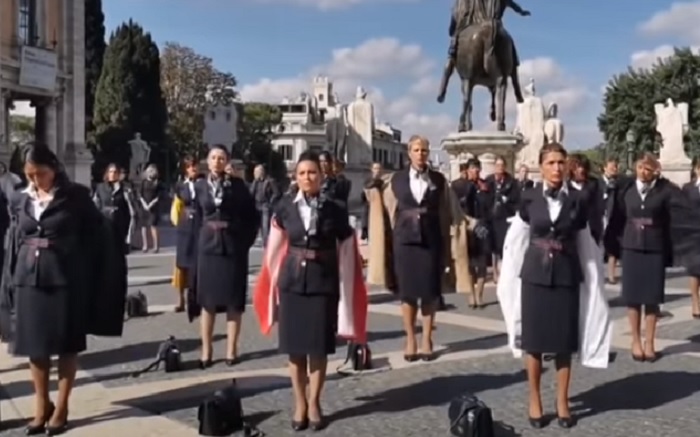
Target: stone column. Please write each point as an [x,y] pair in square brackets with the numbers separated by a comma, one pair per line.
[4,140]
[51,124]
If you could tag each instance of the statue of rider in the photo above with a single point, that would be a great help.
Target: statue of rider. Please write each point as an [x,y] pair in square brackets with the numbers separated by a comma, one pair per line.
[469,12]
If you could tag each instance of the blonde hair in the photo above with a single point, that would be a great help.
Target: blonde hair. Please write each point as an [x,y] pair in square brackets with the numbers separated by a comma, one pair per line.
[418,139]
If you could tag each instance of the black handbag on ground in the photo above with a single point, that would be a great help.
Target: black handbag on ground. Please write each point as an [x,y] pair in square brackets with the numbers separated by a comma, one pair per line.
[221,414]
[470,417]
[136,305]
[168,354]
[359,357]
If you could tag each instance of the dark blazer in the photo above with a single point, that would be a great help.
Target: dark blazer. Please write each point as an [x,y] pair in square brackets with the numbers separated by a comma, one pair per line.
[343,188]
[552,258]
[592,199]
[311,264]
[525,185]
[418,222]
[505,196]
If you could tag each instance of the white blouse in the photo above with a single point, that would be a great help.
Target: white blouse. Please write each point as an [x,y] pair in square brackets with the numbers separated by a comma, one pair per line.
[38,206]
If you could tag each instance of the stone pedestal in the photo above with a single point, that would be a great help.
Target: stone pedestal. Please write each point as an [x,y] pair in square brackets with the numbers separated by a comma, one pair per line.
[678,173]
[78,164]
[357,174]
[484,145]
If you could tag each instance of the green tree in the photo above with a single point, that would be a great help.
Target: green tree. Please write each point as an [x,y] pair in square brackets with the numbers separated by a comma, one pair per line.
[255,139]
[129,99]
[21,129]
[630,97]
[94,55]
[191,83]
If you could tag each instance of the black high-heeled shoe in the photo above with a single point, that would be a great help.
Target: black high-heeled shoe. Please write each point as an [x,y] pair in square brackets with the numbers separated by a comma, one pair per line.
[40,428]
[300,425]
[318,425]
[203,365]
[537,422]
[57,430]
[564,422]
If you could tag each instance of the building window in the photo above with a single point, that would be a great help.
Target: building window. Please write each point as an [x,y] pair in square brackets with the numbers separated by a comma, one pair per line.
[316,148]
[321,97]
[27,23]
[228,116]
[287,151]
[212,115]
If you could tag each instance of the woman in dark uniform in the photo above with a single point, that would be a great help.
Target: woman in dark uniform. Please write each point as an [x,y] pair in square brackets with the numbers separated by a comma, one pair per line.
[228,224]
[692,193]
[309,286]
[643,213]
[580,179]
[551,277]
[57,229]
[506,196]
[111,198]
[186,237]
[151,193]
[329,181]
[479,205]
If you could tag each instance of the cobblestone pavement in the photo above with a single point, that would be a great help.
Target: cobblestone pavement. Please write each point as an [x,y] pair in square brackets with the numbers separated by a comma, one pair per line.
[627,400]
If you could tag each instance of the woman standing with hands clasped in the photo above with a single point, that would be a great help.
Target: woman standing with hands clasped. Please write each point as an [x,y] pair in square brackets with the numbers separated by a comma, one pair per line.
[318,283]
[227,224]
[550,281]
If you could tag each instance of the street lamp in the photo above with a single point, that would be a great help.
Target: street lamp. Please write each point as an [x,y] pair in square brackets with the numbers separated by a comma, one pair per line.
[631,139]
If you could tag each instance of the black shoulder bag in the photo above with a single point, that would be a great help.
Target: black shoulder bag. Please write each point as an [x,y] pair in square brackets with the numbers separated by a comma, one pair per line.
[168,354]
[221,414]
[470,417]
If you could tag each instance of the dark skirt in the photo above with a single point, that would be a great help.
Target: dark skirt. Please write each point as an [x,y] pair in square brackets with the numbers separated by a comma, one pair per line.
[549,319]
[419,271]
[49,323]
[151,218]
[611,243]
[222,281]
[480,255]
[500,229]
[307,324]
[643,277]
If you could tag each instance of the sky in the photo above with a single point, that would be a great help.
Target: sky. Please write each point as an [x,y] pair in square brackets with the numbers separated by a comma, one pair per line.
[396,49]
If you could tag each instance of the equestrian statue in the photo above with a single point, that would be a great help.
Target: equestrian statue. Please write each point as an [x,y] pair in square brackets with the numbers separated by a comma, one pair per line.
[483,53]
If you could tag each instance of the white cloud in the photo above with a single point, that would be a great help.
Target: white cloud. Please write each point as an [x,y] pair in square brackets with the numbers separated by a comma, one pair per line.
[326,5]
[386,60]
[680,20]
[23,108]
[647,58]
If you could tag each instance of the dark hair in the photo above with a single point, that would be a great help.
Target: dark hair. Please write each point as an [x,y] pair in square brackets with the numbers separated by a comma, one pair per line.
[41,154]
[552,148]
[111,165]
[463,167]
[325,155]
[612,160]
[310,155]
[500,158]
[219,147]
[579,160]
[474,162]
[188,161]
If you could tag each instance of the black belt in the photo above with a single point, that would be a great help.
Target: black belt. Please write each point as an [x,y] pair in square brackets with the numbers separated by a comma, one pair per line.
[311,254]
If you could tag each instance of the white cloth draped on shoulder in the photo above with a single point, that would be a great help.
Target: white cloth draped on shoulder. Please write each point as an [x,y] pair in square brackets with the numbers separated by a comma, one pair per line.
[595,327]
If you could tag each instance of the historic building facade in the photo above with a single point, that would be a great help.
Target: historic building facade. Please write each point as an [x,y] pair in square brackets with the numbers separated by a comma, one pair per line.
[42,45]
[305,121]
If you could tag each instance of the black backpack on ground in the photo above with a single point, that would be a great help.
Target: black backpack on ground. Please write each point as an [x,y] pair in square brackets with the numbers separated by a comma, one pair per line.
[470,417]
[221,414]
[136,305]
[168,354]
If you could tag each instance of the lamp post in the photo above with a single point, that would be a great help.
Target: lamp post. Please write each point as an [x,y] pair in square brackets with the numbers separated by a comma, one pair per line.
[631,139]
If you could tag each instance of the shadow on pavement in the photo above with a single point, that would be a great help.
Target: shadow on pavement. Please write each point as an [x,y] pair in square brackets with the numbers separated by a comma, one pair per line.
[432,392]
[191,396]
[637,392]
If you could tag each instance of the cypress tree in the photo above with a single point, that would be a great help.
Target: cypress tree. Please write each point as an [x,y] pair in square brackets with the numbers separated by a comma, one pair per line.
[94,53]
[129,98]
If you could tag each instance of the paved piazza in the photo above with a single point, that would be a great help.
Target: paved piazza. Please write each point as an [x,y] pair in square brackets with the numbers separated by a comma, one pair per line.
[397,399]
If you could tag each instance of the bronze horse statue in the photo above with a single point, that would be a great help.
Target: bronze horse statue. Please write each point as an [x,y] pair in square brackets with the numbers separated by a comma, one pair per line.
[484,55]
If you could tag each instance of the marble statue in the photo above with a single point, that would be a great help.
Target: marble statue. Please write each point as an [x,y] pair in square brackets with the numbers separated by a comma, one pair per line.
[672,124]
[360,123]
[337,133]
[530,126]
[553,127]
[140,154]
